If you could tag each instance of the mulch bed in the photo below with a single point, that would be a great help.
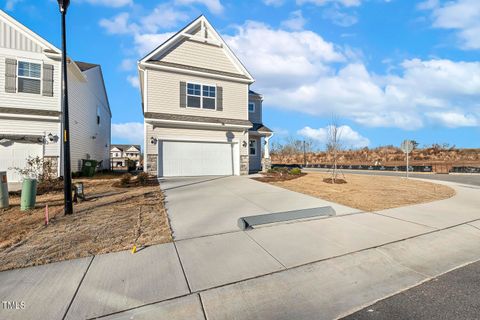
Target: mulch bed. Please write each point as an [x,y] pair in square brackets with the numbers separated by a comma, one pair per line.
[275,177]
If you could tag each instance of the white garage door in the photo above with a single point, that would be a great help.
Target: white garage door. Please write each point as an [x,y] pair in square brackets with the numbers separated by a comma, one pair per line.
[196,158]
[15,156]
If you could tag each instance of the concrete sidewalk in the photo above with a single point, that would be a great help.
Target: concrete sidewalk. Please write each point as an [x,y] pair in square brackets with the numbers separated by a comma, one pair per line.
[315,269]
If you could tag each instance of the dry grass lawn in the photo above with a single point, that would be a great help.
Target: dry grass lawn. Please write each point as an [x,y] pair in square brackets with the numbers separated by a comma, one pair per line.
[369,193]
[112,219]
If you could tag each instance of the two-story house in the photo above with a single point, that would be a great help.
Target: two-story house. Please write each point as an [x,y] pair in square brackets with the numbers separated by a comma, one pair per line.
[200,116]
[120,153]
[30,103]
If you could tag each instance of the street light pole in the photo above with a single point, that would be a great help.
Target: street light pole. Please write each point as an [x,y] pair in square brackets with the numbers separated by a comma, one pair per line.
[67,170]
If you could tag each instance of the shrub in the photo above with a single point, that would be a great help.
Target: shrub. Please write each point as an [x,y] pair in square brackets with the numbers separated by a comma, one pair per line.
[142,178]
[295,171]
[125,179]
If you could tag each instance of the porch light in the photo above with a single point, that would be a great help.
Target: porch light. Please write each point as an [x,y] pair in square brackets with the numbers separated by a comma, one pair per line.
[153,140]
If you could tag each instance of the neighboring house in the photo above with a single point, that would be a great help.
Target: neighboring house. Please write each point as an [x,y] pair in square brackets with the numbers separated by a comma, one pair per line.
[30,103]
[119,153]
[200,116]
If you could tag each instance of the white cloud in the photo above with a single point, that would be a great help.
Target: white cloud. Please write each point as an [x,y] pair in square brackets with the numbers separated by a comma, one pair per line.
[134,82]
[460,15]
[119,24]
[340,18]
[296,21]
[275,3]
[299,71]
[145,43]
[348,137]
[346,3]
[10,4]
[108,3]
[129,132]
[163,16]
[214,6]
[454,119]
[284,59]
[128,64]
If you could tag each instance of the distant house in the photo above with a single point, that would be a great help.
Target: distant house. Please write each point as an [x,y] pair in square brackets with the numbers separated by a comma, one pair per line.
[30,103]
[120,153]
[201,118]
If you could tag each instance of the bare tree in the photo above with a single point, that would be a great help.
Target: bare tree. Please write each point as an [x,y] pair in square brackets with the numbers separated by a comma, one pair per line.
[334,144]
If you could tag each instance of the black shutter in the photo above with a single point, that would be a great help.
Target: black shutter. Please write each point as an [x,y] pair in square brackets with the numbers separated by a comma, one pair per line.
[183,95]
[48,80]
[219,99]
[10,75]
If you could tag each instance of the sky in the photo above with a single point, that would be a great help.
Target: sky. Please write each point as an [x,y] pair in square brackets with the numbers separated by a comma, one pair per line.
[387,70]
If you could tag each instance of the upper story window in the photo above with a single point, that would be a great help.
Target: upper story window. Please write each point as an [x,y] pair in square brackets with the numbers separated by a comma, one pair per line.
[251,107]
[29,77]
[98,116]
[201,96]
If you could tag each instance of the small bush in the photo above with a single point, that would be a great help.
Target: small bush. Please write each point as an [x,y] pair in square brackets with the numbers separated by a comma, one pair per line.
[125,179]
[142,178]
[296,171]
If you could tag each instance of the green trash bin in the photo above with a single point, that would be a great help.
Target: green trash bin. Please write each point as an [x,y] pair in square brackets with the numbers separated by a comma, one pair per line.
[89,167]
[29,194]
[3,190]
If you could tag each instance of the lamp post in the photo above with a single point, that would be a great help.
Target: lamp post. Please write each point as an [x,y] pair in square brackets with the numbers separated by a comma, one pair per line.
[67,175]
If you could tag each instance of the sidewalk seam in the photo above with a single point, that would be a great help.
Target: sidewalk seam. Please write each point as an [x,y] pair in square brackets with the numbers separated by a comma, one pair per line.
[78,288]
[417,223]
[181,266]
[271,255]
[203,306]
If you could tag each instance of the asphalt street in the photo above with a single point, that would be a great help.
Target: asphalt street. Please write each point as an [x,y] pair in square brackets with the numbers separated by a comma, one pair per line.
[472,179]
[454,295]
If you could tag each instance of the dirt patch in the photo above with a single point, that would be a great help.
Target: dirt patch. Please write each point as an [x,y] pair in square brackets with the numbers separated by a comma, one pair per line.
[112,219]
[369,193]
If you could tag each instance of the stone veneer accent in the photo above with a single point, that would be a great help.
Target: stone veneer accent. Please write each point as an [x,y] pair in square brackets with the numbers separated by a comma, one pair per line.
[152,160]
[266,164]
[244,164]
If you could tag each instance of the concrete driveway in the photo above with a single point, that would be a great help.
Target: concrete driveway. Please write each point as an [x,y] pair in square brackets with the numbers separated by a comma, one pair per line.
[201,206]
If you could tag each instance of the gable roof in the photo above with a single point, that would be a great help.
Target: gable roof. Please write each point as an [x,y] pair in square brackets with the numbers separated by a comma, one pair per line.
[84,66]
[123,147]
[211,37]
[47,46]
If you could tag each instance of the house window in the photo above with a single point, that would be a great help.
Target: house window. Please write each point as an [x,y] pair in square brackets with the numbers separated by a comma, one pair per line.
[29,75]
[253,147]
[98,116]
[251,107]
[201,96]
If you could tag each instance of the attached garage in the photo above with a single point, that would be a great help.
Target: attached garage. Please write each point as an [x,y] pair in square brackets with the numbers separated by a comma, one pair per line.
[15,155]
[202,158]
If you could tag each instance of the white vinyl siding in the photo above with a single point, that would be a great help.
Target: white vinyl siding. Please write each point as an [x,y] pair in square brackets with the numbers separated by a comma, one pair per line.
[200,55]
[33,127]
[11,38]
[163,95]
[193,135]
[88,139]
[31,101]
